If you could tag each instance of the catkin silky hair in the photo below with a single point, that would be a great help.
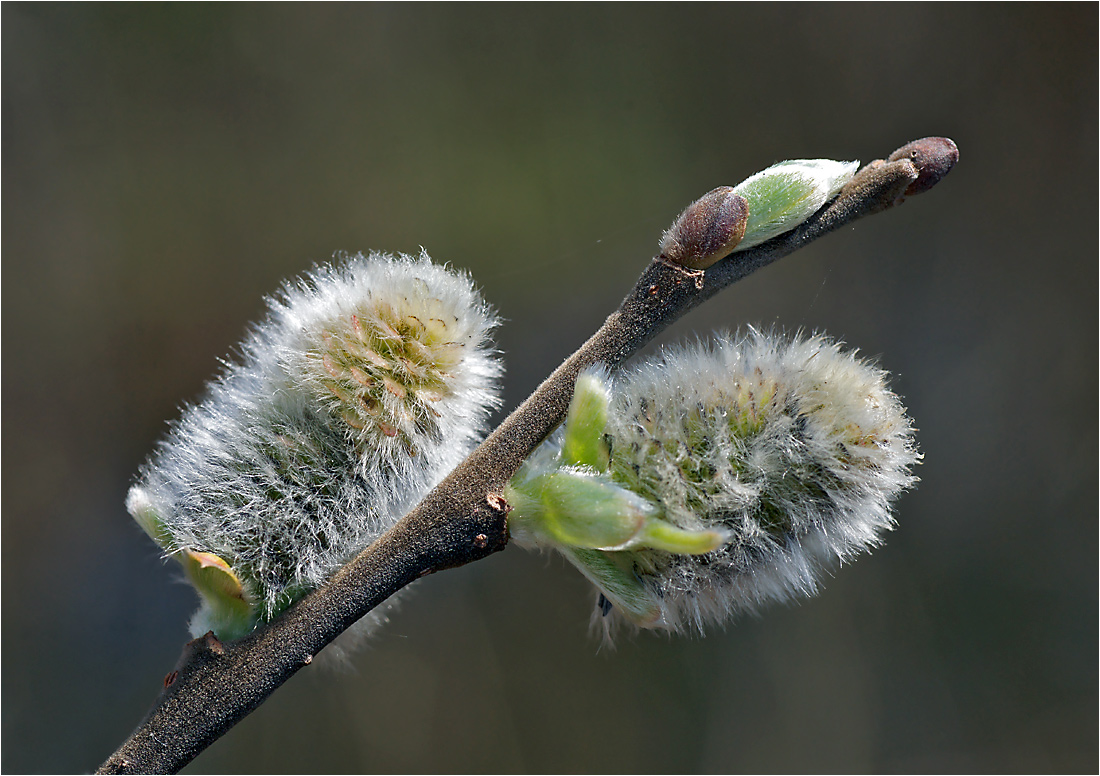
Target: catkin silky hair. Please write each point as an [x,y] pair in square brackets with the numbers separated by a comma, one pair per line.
[731,473]
[367,382]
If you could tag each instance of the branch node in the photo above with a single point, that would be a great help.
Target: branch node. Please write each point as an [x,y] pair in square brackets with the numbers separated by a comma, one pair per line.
[879,186]
[695,276]
[210,642]
[498,504]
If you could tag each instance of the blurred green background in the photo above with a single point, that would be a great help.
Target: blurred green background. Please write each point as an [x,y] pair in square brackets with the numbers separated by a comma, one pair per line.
[166,166]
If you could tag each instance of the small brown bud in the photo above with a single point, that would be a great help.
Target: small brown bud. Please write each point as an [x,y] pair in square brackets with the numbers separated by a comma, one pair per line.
[708,230]
[932,156]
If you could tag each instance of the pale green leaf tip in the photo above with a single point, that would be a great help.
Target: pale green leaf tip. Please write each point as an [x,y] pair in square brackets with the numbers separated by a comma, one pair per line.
[661,535]
[583,443]
[141,509]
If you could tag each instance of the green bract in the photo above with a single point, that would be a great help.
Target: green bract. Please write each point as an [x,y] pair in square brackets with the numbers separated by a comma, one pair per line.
[570,500]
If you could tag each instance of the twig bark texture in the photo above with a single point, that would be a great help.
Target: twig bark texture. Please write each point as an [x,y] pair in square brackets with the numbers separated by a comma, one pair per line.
[464,519]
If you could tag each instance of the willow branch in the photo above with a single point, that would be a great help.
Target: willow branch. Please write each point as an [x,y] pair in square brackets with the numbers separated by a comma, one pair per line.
[464,519]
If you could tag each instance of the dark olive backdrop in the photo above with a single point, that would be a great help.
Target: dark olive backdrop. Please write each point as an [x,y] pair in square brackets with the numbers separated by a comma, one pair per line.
[166,166]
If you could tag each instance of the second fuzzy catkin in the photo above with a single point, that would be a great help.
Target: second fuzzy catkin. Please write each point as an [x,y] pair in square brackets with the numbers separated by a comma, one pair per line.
[788,450]
[794,446]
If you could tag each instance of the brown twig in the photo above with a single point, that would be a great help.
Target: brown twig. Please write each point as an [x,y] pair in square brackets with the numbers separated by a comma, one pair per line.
[464,518]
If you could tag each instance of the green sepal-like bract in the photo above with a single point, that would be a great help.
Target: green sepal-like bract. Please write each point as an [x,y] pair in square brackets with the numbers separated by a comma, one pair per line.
[226,608]
[578,508]
[570,501]
[612,573]
[583,443]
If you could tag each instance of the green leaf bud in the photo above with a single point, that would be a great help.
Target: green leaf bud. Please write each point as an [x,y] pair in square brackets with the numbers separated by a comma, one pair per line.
[786,194]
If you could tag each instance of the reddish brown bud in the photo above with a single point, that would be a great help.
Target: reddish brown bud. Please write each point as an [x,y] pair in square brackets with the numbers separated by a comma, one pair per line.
[708,230]
[932,156]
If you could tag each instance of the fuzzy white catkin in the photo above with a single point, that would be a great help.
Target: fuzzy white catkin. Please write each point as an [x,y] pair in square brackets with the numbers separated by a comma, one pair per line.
[368,381]
[792,447]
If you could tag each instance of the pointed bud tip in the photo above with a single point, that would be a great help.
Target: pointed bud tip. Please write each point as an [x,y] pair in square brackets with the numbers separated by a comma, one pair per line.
[932,156]
[708,230]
